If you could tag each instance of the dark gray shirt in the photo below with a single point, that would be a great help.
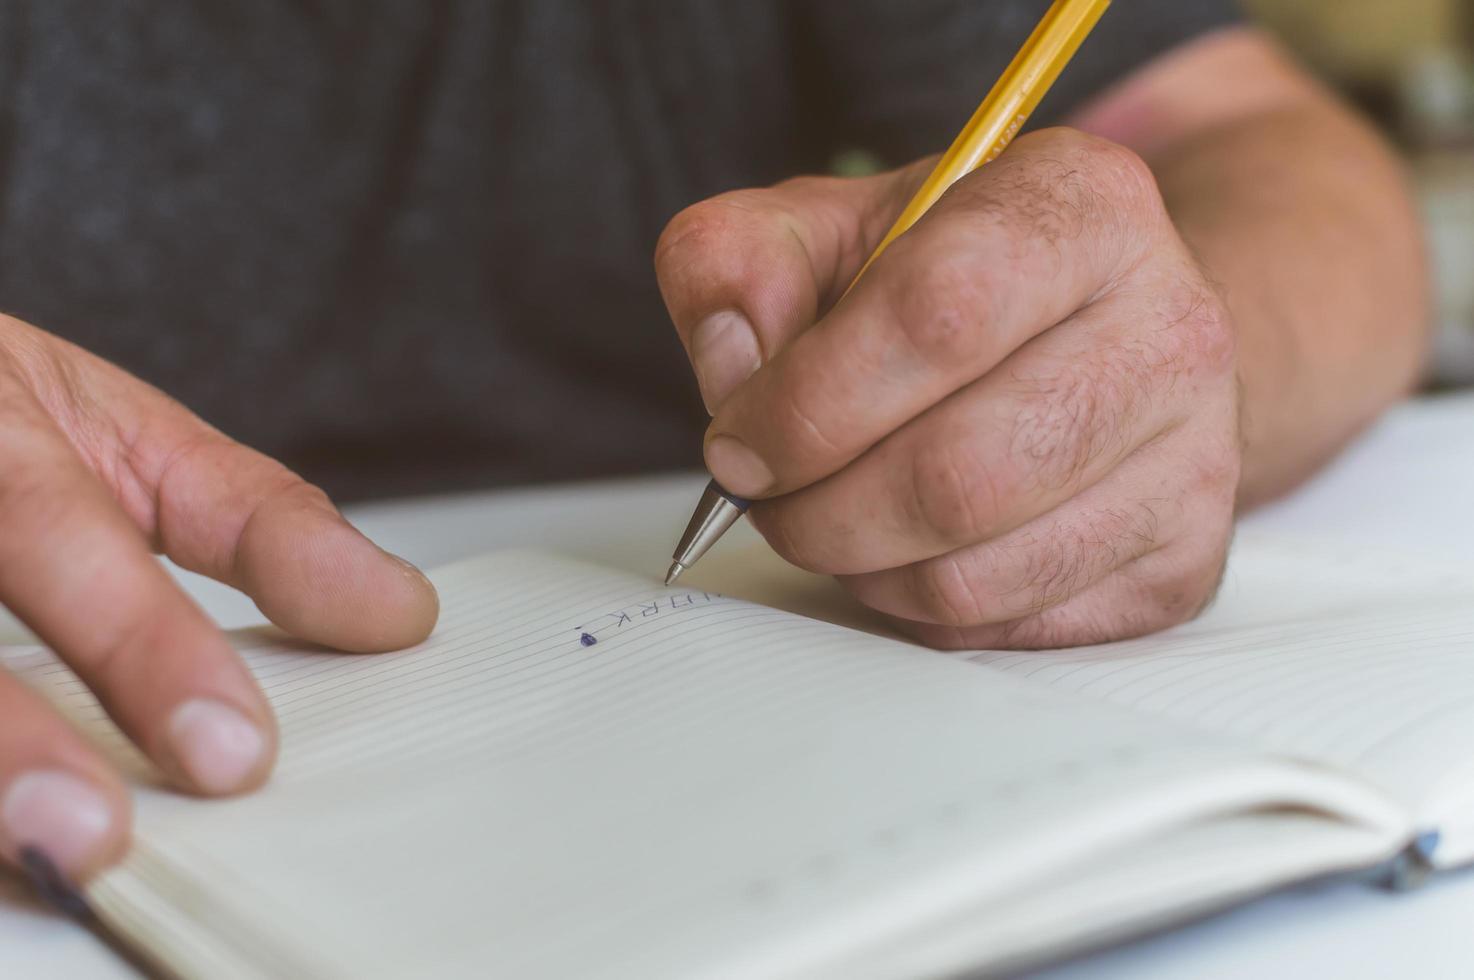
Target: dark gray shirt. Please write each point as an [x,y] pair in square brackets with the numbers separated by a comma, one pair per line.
[405,246]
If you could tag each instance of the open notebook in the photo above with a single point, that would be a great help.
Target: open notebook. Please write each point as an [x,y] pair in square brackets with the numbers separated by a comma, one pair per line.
[585,774]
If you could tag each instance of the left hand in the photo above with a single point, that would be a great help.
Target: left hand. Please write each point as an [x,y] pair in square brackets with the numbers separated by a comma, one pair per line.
[1019,429]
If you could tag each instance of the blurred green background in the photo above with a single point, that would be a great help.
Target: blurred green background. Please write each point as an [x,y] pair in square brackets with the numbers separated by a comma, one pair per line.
[1409,64]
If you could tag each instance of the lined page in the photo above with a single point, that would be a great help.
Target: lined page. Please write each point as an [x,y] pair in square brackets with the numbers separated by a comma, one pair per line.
[582,772]
[1361,663]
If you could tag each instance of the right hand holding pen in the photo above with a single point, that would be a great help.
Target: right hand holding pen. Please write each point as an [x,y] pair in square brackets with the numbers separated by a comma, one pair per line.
[1020,429]
[99,470]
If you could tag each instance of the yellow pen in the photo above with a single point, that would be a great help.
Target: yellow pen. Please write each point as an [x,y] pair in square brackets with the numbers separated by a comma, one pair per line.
[998,119]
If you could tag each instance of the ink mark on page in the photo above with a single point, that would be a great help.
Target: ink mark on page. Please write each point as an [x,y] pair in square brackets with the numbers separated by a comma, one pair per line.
[657,609]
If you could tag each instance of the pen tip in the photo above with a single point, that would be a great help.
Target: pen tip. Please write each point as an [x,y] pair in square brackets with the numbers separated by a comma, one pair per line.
[676,568]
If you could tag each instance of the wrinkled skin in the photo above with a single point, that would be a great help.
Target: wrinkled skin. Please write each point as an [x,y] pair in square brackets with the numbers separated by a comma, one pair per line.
[1020,428]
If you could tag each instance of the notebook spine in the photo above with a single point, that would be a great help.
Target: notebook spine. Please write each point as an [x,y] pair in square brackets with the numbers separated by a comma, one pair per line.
[53,888]
[1409,868]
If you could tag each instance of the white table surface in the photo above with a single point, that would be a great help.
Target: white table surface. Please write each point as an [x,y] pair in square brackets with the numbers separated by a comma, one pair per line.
[1408,484]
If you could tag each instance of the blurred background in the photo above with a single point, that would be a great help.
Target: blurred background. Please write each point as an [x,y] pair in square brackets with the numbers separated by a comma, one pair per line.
[1409,64]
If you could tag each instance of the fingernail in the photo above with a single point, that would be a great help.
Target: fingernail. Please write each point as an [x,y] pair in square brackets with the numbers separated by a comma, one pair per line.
[58,813]
[737,467]
[411,570]
[725,353]
[215,744]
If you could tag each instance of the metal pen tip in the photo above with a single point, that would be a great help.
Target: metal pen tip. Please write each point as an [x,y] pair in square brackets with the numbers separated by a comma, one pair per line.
[717,511]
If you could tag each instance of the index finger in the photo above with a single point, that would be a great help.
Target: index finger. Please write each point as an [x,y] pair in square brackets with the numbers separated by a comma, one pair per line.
[222,509]
[1005,254]
[75,571]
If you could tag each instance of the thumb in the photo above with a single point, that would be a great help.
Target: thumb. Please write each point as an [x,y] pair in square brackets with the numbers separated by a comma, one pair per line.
[745,272]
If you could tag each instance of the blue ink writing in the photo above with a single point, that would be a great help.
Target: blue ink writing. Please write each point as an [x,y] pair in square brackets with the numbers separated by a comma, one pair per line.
[614,622]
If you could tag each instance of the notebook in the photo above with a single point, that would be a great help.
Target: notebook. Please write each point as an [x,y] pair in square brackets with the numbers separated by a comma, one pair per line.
[582,773]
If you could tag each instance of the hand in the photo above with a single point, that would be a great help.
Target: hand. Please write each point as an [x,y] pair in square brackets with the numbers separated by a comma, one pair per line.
[99,469]
[1019,429]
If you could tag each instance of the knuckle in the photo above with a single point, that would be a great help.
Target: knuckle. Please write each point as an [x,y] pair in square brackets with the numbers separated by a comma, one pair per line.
[276,486]
[693,221]
[698,226]
[1084,181]
[1109,168]
[940,307]
[310,493]
[1066,185]
[1122,170]
[954,491]
[742,249]
[699,239]
[684,245]
[1174,604]
[1019,209]
[1188,589]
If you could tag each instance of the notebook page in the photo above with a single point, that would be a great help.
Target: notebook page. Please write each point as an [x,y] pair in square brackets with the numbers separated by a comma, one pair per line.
[1345,659]
[582,772]
[1278,577]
